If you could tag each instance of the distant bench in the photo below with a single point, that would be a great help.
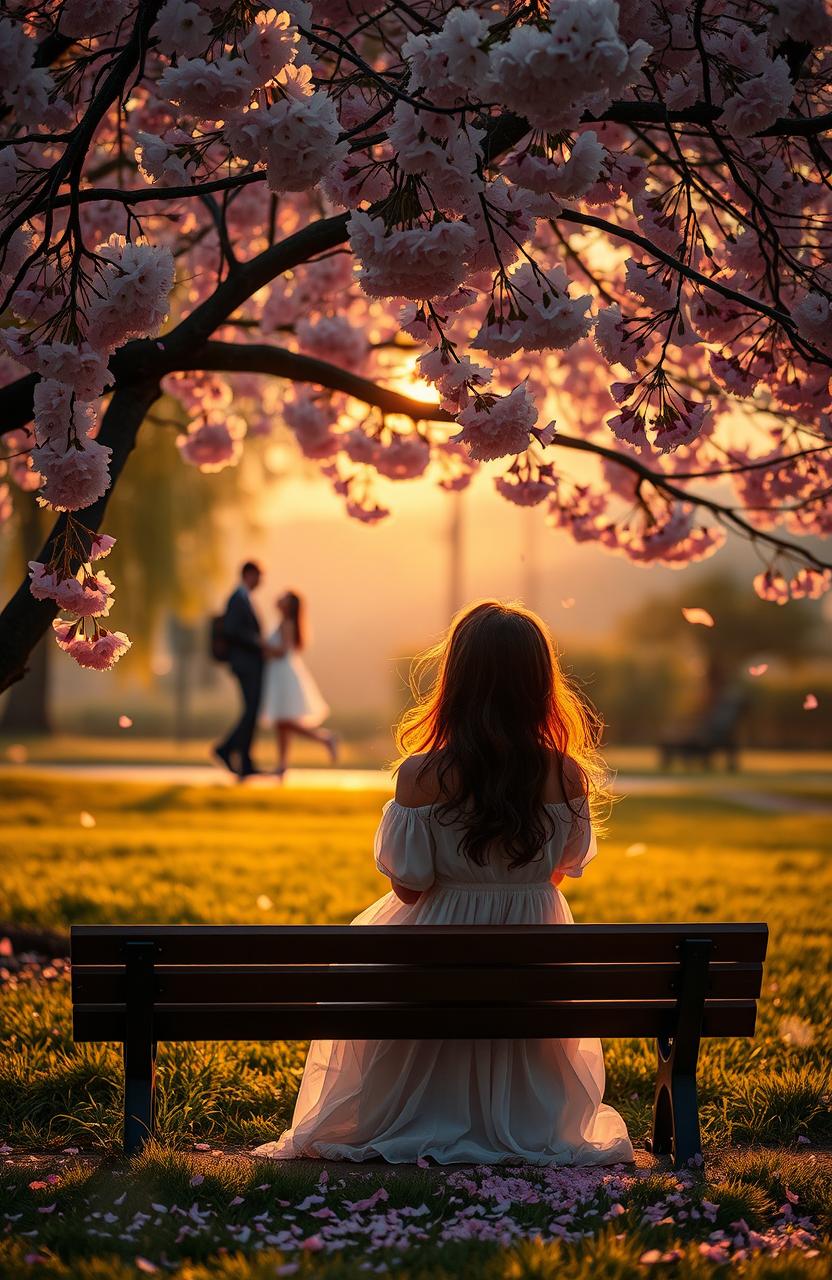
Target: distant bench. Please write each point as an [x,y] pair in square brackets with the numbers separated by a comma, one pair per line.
[713,733]
[139,984]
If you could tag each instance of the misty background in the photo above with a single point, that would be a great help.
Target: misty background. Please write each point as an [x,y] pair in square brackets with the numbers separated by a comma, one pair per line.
[377,594]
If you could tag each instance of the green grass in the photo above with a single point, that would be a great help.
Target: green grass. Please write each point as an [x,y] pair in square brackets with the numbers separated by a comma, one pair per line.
[172,853]
[219,1216]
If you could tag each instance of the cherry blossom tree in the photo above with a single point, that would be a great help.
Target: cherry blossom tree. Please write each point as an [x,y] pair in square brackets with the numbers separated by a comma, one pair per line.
[592,228]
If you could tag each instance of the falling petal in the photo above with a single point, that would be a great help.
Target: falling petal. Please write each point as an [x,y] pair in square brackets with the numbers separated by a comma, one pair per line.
[796,1031]
[86,820]
[759,670]
[264,902]
[124,722]
[635,850]
[698,617]
[810,702]
[568,602]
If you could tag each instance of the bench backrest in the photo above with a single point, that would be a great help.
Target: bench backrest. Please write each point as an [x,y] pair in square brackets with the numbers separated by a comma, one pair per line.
[720,720]
[227,982]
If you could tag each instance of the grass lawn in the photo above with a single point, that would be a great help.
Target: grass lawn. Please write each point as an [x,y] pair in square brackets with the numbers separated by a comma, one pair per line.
[173,853]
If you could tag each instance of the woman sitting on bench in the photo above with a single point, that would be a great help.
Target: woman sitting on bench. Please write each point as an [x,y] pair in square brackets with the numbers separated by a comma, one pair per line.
[498,776]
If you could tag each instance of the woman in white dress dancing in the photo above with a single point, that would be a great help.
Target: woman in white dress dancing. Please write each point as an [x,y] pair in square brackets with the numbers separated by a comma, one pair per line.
[497,782]
[292,702]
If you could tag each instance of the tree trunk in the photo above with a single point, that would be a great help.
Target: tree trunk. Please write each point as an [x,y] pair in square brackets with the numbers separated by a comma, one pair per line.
[27,707]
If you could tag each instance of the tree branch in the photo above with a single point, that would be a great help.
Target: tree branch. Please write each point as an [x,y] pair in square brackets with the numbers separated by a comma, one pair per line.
[261,357]
[663,482]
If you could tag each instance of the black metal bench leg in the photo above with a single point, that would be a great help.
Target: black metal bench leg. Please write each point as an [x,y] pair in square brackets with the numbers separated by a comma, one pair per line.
[662,1143]
[139,1094]
[139,1048]
[676,1107]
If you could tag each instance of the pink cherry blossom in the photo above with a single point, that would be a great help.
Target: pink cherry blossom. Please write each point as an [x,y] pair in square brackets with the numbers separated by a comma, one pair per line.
[811,314]
[760,101]
[807,20]
[101,546]
[92,17]
[421,263]
[611,338]
[59,416]
[298,140]
[311,421]
[214,444]
[333,338]
[98,652]
[552,74]
[810,584]
[73,477]
[533,169]
[498,426]
[452,65]
[456,379]
[404,458]
[209,90]
[447,156]
[182,28]
[87,595]
[159,162]
[132,292]
[526,491]
[772,586]
[271,43]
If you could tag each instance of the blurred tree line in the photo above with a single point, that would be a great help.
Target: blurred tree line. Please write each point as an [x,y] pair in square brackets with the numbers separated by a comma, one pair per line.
[166,559]
[660,672]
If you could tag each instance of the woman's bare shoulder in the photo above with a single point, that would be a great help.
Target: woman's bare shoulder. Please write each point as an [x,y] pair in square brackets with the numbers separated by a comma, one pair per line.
[416,785]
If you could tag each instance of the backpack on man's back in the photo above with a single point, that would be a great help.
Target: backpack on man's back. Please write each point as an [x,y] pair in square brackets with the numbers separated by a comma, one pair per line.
[218,640]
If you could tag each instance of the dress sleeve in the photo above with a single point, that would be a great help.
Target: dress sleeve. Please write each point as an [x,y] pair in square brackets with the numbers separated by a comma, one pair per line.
[580,847]
[404,846]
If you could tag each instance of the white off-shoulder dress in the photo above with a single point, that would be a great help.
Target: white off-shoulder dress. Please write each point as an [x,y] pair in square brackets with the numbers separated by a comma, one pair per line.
[460,1101]
[290,692]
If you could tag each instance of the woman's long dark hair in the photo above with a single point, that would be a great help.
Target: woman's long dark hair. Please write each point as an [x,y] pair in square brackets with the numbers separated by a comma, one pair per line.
[496,712]
[296,614]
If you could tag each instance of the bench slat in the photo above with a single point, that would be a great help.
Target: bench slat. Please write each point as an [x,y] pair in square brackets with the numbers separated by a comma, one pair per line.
[209,984]
[414,944]
[413,1022]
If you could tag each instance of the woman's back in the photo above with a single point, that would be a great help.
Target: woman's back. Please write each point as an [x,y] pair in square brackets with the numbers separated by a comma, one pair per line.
[418,815]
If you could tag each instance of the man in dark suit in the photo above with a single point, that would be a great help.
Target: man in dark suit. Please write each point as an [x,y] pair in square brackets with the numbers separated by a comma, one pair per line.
[241,628]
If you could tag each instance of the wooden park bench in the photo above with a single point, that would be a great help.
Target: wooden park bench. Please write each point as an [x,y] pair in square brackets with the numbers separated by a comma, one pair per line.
[139,984]
[713,734]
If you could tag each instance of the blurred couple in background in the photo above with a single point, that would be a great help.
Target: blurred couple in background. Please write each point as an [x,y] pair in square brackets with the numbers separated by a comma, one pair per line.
[277,688]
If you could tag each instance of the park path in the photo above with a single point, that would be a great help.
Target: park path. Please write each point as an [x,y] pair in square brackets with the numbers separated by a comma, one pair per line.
[754,795]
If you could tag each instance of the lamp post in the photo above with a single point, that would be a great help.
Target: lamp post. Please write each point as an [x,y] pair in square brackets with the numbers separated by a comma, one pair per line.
[456,552]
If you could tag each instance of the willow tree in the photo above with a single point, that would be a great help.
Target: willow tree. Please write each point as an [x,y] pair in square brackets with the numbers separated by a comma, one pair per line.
[422,239]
